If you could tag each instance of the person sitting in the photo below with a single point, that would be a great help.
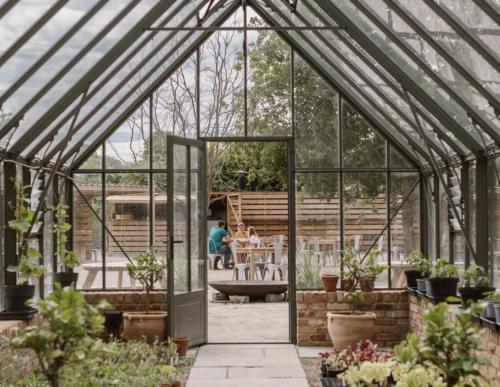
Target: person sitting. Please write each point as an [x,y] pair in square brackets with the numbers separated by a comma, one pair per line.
[221,243]
[242,233]
[253,238]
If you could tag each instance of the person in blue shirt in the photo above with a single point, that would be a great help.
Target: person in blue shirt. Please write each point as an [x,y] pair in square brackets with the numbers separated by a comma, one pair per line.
[219,243]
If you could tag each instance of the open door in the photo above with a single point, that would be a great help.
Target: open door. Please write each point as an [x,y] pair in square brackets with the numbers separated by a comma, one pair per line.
[186,201]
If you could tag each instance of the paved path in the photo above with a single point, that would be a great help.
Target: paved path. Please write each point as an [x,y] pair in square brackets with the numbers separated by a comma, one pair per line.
[242,365]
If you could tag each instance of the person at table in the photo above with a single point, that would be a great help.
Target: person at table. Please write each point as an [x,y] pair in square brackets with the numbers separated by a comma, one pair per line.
[253,238]
[221,243]
[242,232]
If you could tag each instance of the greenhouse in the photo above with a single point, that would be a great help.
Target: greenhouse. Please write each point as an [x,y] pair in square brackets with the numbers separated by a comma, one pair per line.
[250,192]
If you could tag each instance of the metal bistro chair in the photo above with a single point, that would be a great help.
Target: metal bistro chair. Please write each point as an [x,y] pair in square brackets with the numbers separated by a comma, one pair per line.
[213,257]
[272,268]
[358,239]
[316,250]
[239,268]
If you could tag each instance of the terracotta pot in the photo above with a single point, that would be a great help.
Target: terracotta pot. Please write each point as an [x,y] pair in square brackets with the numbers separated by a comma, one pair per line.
[150,326]
[346,328]
[367,284]
[182,345]
[330,282]
[347,284]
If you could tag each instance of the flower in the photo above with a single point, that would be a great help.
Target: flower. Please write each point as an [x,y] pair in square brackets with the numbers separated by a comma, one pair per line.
[406,375]
[368,373]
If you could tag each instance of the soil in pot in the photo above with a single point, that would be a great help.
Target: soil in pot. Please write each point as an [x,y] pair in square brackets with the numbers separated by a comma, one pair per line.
[330,282]
[473,294]
[150,326]
[66,278]
[367,284]
[182,345]
[347,284]
[411,277]
[16,297]
[442,287]
[422,285]
[346,328]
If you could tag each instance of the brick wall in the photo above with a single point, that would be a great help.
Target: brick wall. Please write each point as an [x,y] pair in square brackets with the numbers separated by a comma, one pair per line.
[128,301]
[490,339]
[390,306]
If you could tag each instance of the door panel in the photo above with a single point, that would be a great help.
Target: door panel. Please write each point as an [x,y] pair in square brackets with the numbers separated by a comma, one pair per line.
[187,233]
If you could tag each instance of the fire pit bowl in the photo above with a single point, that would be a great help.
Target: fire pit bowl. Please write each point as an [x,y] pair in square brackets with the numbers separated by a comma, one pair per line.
[252,288]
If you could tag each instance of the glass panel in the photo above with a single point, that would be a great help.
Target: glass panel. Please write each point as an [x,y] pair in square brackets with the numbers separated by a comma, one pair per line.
[365,215]
[444,224]
[127,218]
[494,219]
[48,238]
[222,83]
[160,239]
[405,226]
[268,82]
[362,146]
[87,230]
[174,109]
[94,161]
[180,217]
[411,68]
[53,68]
[316,119]
[2,240]
[128,146]
[397,160]
[472,205]
[432,221]
[318,227]
[197,260]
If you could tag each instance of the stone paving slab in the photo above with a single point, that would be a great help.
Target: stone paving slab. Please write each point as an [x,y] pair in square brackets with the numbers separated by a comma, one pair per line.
[312,351]
[266,365]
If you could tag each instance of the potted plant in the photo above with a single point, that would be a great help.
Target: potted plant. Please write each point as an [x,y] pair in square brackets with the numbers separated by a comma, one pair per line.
[28,258]
[492,299]
[346,328]
[370,270]
[151,325]
[417,277]
[350,269]
[475,284]
[330,281]
[66,259]
[443,281]
[65,333]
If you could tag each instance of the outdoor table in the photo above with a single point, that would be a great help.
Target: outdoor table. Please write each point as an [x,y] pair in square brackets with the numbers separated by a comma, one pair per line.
[251,252]
[398,273]
[95,267]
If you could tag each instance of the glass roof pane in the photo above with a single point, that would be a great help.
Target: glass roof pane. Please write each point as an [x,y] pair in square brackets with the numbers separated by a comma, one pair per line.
[41,41]
[20,18]
[447,38]
[134,59]
[411,68]
[53,69]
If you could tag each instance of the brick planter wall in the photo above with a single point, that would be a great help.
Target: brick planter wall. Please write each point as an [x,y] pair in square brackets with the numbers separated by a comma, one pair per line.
[128,301]
[390,306]
[490,339]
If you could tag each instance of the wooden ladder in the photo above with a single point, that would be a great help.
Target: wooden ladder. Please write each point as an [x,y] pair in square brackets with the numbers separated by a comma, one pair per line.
[233,211]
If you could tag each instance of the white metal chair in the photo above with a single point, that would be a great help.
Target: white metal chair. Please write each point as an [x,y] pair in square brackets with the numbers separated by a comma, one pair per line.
[239,268]
[271,268]
[212,258]
[358,239]
[316,251]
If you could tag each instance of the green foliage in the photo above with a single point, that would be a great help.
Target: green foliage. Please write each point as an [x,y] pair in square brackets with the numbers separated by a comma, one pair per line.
[148,270]
[350,265]
[353,298]
[444,269]
[28,258]
[492,296]
[66,331]
[452,347]
[420,262]
[369,267]
[61,229]
[475,276]
[308,273]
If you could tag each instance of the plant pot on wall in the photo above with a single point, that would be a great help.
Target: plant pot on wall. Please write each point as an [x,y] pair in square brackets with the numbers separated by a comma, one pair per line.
[422,284]
[367,284]
[66,278]
[347,328]
[441,288]
[411,278]
[182,345]
[150,326]
[330,282]
[16,297]
[473,293]
[347,284]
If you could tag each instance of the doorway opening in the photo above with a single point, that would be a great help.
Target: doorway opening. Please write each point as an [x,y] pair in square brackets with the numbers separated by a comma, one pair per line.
[248,300]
